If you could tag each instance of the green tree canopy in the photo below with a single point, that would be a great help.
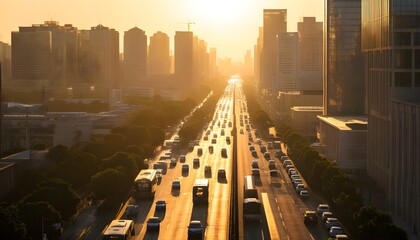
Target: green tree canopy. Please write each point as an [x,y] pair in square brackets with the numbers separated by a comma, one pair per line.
[108,183]
[12,226]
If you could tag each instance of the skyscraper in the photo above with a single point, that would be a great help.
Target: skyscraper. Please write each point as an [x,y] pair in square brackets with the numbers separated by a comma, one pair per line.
[184,58]
[287,62]
[391,47]
[275,23]
[310,54]
[99,64]
[45,55]
[159,58]
[135,56]
[343,62]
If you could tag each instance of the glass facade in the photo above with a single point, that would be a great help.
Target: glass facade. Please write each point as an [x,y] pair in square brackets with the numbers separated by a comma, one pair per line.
[343,62]
[391,49]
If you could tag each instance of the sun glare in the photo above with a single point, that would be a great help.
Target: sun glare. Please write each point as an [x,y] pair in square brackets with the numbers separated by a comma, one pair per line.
[220,11]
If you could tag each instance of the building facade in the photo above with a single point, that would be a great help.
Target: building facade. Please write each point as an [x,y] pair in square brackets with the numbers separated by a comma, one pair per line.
[45,56]
[343,62]
[391,48]
[135,56]
[287,62]
[5,60]
[184,58]
[274,23]
[159,54]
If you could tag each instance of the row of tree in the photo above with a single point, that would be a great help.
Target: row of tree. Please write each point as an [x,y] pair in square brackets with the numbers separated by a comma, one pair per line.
[363,222]
[102,169]
[194,125]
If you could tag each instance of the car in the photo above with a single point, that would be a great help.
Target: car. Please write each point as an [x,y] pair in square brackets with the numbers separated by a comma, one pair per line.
[222,132]
[341,236]
[290,166]
[195,230]
[284,158]
[294,176]
[326,215]
[278,153]
[160,205]
[331,222]
[227,140]
[206,138]
[132,210]
[254,163]
[153,224]
[287,162]
[224,153]
[263,148]
[159,174]
[176,185]
[297,181]
[241,131]
[254,153]
[258,140]
[207,170]
[251,147]
[214,141]
[335,230]
[304,194]
[273,173]
[182,158]
[199,151]
[310,216]
[173,162]
[300,187]
[267,155]
[215,135]
[322,207]
[185,168]
[211,149]
[271,164]
[221,174]
[270,145]
[289,172]
[255,172]
[196,163]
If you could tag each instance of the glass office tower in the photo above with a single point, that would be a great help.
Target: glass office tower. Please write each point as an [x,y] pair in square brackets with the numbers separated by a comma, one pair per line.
[391,48]
[343,62]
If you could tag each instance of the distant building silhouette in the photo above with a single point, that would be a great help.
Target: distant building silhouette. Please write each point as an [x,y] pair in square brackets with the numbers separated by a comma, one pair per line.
[184,58]
[200,60]
[390,44]
[275,23]
[135,56]
[287,62]
[212,63]
[257,57]
[99,64]
[5,59]
[45,55]
[159,58]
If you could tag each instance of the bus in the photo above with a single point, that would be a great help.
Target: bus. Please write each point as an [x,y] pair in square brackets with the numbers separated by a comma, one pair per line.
[249,189]
[119,230]
[252,209]
[145,184]
[201,191]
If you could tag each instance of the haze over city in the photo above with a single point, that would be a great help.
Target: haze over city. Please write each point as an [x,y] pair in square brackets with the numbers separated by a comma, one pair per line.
[210,119]
[229,25]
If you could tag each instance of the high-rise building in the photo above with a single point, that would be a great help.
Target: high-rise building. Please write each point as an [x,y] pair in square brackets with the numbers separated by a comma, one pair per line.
[45,55]
[391,47]
[257,57]
[275,23]
[135,56]
[248,65]
[99,64]
[200,59]
[5,59]
[184,58]
[310,54]
[212,63]
[287,62]
[159,54]
[343,62]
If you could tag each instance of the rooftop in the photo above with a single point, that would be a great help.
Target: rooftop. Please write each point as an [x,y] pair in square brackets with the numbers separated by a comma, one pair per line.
[346,123]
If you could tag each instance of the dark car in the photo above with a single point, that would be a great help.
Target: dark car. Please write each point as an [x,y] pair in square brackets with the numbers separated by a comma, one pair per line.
[160,205]
[310,217]
[195,230]
[153,224]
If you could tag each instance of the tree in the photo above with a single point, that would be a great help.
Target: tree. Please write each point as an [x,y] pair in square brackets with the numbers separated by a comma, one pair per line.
[59,153]
[32,215]
[78,169]
[57,193]
[108,183]
[156,135]
[12,226]
[124,162]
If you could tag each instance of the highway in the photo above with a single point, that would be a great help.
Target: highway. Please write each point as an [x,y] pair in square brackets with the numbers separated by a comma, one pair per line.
[285,208]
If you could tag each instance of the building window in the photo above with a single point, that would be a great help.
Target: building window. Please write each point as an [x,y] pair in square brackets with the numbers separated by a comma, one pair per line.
[402,39]
[402,79]
[417,59]
[417,80]
[402,58]
[417,39]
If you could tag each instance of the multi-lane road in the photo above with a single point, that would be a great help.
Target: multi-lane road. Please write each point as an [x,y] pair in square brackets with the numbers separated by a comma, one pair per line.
[285,206]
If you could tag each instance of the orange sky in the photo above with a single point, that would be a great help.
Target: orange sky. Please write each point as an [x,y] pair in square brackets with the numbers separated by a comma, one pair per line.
[229,25]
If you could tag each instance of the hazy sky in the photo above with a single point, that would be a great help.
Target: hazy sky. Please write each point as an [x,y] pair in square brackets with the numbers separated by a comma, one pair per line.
[229,25]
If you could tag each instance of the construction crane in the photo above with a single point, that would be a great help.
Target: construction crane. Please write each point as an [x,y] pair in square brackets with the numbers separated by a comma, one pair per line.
[188,24]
